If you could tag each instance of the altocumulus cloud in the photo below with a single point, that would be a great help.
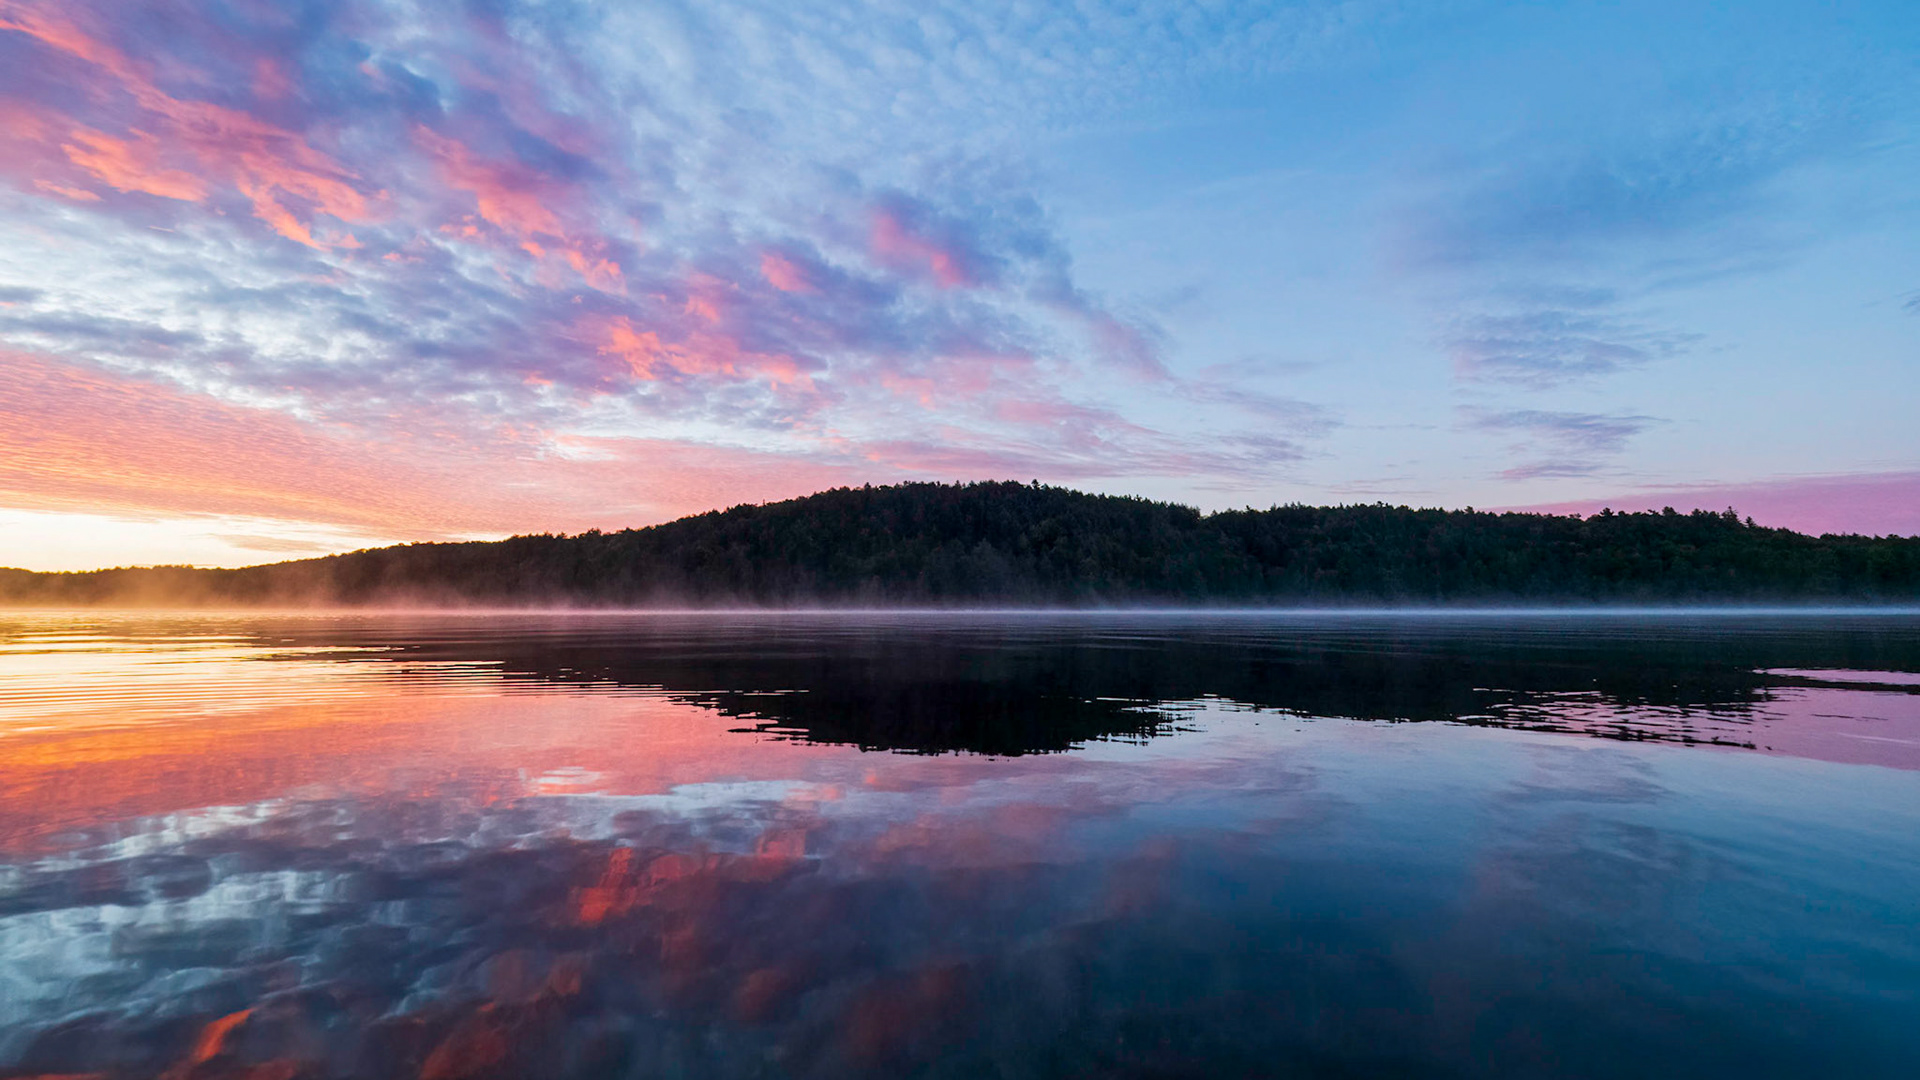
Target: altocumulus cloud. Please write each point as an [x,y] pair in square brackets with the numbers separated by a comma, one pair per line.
[555,240]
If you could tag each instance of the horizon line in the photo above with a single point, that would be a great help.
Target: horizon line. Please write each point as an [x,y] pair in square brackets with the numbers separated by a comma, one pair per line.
[1418,611]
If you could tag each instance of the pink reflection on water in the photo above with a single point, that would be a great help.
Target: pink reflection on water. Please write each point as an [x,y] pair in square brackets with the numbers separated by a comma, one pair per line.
[542,863]
[1823,723]
[1840,675]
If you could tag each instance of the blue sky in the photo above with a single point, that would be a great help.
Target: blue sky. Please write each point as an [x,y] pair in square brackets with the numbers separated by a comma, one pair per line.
[287,278]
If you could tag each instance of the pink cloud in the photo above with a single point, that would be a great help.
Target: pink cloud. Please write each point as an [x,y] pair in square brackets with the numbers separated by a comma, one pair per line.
[519,201]
[507,194]
[270,79]
[64,36]
[898,243]
[81,440]
[1872,503]
[680,478]
[65,192]
[648,358]
[1002,382]
[285,180]
[75,439]
[1125,345]
[131,164]
[785,274]
[483,178]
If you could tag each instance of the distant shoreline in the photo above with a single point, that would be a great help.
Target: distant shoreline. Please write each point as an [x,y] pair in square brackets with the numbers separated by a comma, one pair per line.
[1005,546]
[1413,613]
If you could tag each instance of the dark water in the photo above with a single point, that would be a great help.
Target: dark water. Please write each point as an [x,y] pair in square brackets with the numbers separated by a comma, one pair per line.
[967,846]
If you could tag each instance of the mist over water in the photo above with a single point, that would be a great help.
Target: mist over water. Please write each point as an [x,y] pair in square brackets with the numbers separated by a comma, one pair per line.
[960,845]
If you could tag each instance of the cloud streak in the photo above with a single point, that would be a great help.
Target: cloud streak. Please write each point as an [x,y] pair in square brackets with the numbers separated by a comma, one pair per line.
[1560,444]
[73,439]
[1549,347]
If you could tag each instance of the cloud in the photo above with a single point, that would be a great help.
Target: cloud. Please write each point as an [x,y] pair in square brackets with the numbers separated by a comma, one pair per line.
[78,439]
[273,545]
[459,189]
[82,439]
[473,237]
[1548,347]
[174,147]
[1542,198]
[786,273]
[1562,444]
[907,238]
[1299,418]
[885,77]
[1537,234]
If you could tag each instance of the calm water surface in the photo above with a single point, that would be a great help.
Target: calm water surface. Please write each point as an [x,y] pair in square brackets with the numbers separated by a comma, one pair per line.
[966,846]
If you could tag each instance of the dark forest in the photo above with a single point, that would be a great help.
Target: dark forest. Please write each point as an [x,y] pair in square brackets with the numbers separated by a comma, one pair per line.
[1007,543]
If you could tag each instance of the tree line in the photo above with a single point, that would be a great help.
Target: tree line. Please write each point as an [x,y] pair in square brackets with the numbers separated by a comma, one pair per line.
[1032,544]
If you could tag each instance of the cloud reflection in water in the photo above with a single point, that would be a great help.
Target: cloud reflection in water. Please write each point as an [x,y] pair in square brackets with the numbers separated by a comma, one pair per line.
[432,878]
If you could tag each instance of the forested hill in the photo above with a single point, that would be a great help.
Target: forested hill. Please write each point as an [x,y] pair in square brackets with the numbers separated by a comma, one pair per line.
[1011,543]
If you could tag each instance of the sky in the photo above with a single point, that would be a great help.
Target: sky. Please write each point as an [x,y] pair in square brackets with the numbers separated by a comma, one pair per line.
[286,278]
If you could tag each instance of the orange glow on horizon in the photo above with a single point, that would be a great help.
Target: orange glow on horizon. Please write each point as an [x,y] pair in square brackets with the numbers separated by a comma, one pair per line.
[84,442]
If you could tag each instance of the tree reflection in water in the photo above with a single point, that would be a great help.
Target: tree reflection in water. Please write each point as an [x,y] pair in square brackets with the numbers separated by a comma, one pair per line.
[450,849]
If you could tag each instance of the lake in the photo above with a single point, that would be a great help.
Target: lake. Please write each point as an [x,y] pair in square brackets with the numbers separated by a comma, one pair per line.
[960,845]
